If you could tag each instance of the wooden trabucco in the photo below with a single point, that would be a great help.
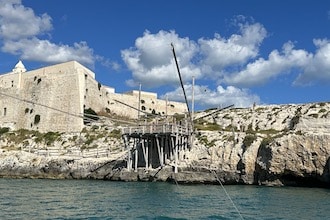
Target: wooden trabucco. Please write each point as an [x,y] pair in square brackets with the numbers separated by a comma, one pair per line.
[153,146]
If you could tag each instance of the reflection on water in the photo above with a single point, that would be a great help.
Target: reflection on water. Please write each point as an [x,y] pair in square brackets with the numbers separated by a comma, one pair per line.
[91,199]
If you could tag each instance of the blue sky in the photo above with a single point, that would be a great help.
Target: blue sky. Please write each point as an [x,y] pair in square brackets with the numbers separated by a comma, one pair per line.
[239,52]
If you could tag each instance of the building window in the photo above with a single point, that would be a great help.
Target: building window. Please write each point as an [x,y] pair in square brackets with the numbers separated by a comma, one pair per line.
[4,111]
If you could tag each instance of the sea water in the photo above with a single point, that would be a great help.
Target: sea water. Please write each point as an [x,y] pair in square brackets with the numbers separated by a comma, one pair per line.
[97,199]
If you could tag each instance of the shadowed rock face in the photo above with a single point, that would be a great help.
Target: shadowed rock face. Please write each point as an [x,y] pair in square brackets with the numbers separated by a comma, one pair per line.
[267,145]
[263,164]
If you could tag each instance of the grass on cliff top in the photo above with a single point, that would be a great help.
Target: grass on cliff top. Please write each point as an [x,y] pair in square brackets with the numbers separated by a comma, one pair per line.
[205,125]
[21,135]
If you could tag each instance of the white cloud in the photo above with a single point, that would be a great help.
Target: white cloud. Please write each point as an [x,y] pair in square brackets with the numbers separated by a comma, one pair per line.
[151,60]
[109,63]
[152,64]
[21,32]
[19,22]
[219,53]
[221,97]
[318,69]
[261,71]
[43,50]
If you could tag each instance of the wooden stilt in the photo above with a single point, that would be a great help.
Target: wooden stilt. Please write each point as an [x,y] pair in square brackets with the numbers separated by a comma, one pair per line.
[162,151]
[158,143]
[147,154]
[136,154]
[144,152]
[159,151]
[176,153]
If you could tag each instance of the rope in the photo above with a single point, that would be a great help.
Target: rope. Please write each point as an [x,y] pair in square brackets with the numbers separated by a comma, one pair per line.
[83,116]
[228,196]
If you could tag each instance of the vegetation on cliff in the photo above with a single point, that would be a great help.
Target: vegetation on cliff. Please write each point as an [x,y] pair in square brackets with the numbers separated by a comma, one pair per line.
[271,145]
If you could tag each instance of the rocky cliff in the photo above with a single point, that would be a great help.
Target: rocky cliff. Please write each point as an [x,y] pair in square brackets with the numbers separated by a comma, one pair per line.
[273,145]
[268,145]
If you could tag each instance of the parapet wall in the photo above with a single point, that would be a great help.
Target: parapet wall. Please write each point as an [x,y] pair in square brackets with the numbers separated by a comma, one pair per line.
[101,100]
[53,98]
[39,100]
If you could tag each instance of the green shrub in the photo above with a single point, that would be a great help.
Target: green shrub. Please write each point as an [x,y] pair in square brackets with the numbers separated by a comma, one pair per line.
[313,115]
[269,131]
[3,130]
[90,139]
[322,110]
[203,140]
[248,140]
[206,126]
[266,141]
[115,133]
[48,138]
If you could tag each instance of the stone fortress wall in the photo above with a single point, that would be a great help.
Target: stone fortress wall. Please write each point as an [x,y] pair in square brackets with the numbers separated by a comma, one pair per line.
[53,98]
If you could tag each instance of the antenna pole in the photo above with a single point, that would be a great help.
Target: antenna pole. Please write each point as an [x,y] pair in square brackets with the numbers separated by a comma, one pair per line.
[139,104]
[193,98]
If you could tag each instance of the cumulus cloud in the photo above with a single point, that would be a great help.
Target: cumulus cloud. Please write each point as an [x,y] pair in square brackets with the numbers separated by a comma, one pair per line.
[19,22]
[219,53]
[220,97]
[318,68]
[21,31]
[152,64]
[43,50]
[151,60]
[233,62]
[312,67]
[261,71]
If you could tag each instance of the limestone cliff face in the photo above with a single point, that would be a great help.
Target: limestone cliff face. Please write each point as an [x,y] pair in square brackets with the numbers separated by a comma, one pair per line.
[272,145]
[268,145]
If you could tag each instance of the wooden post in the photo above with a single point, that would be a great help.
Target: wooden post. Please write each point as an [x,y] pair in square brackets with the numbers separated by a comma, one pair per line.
[172,149]
[129,160]
[162,145]
[176,153]
[167,147]
[136,154]
[147,154]
[158,148]
[152,144]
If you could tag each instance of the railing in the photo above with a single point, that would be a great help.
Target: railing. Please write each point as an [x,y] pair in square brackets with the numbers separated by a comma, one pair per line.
[156,128]
[73,153]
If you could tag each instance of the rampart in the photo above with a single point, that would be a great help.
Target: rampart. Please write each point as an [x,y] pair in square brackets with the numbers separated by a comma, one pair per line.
[53,98]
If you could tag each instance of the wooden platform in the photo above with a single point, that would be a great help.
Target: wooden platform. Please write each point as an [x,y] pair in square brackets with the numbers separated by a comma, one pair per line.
[154,145]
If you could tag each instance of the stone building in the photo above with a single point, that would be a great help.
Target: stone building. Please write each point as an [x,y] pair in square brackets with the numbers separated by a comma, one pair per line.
[54,98]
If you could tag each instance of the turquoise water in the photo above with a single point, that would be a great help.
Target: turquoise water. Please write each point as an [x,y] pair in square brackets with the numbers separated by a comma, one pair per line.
[91,199]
